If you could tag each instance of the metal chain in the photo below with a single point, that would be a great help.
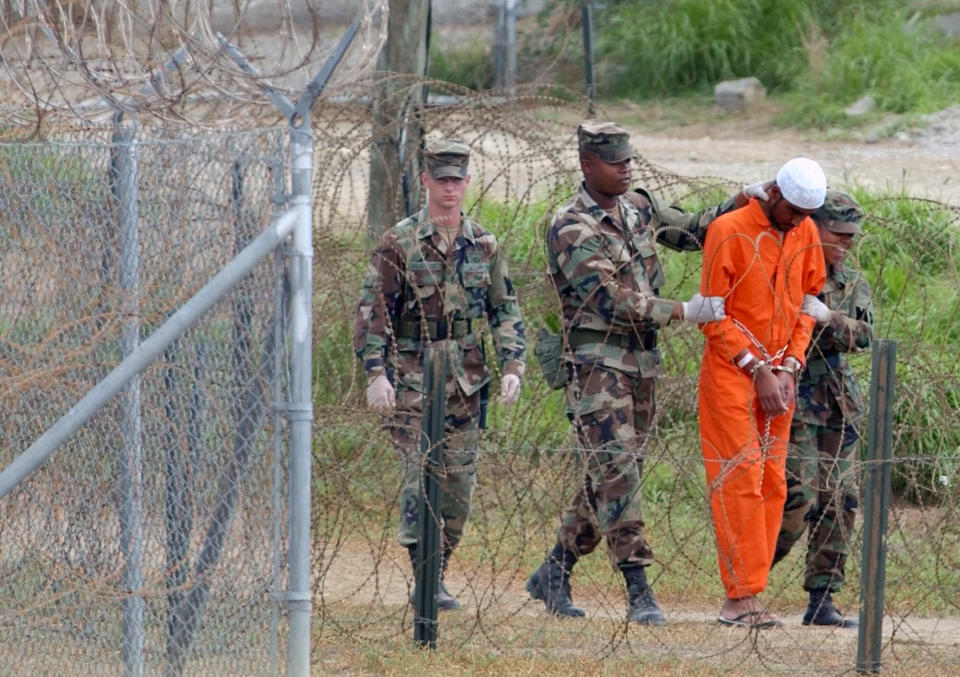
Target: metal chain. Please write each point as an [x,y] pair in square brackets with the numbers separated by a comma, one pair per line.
[766,359]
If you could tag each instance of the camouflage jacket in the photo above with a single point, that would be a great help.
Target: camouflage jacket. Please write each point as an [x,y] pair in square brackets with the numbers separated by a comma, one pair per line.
[608,278]
[410,278]
[827,391]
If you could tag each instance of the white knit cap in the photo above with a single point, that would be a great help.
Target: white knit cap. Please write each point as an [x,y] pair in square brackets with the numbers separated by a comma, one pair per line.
[802,183]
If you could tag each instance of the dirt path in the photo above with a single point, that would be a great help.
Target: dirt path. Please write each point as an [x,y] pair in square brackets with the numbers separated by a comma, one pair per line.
[355,579]
[924,161]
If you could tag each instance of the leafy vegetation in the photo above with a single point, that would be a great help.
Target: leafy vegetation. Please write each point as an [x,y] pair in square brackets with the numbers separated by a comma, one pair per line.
[527,472]
[885,51]
[468,63]
[819,56]
[907,254]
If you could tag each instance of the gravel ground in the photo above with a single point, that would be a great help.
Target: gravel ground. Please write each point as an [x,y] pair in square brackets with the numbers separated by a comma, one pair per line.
[923,162]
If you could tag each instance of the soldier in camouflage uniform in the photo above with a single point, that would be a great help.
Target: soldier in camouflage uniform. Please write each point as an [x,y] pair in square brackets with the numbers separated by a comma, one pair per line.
[821,482]
[432,278]
[604,265]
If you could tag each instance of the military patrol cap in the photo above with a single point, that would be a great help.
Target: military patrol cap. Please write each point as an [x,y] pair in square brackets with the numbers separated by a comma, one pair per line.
[840,213]
[607,140]
[446,157]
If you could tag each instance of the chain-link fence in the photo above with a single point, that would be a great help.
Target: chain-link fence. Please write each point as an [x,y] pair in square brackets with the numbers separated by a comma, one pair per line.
[152,541]
[189,567]
[523,167]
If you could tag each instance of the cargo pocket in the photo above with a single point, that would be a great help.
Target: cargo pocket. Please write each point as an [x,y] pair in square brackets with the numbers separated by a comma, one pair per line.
[651,270]
[425,277]
[476,275]
[592,388]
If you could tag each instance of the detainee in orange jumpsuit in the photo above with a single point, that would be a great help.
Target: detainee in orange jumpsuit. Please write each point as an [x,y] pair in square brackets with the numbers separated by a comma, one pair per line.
[763,258]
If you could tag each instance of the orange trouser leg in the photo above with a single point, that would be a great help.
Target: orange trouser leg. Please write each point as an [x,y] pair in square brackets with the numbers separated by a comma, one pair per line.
[745,479]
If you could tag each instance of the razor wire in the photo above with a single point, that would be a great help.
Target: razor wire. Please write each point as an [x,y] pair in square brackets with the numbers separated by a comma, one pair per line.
[523,167]
[69,60]
[63,315]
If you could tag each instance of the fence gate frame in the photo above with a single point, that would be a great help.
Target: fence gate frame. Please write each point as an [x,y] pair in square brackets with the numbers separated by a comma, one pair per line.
[137,356]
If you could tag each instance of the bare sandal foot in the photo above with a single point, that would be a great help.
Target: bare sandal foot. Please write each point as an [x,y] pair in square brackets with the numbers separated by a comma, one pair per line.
[746,612]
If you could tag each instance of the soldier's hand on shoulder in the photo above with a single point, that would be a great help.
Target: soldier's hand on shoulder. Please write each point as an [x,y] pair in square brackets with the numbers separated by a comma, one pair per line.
[757,190]
[509,389]
[381,396]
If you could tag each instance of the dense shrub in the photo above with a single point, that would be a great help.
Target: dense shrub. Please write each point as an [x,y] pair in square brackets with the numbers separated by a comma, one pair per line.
[468,63]
[822,55]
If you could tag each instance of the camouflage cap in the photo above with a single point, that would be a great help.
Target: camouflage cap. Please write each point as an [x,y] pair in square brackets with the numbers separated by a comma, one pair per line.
[839,213]
[607,140]
[445,157]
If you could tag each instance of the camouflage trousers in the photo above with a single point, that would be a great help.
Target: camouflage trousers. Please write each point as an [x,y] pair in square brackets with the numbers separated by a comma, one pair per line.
[821,499]
[612,413]
[458,473]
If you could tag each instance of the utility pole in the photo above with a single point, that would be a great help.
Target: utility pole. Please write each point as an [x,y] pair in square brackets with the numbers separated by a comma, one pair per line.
[505,45]
[397,106]
[589,74]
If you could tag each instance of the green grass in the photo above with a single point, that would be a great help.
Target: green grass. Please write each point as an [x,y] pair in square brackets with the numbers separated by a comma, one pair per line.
[817,57]
[647,50]
[885,51]
[528,472]
[907,254]
[468,63]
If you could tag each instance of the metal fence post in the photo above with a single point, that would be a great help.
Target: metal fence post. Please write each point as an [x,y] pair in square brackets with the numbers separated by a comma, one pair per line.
[876,501]
[429,545]
[131,462]
[300,408]
[505,45]
[588,55]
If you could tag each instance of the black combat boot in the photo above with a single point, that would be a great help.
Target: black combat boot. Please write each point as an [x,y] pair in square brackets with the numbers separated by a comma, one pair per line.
[643,607]
[821,611]
[445,601]
[550,583]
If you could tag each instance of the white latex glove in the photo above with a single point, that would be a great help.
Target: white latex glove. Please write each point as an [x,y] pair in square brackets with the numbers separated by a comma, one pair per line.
[381,396]
[509,389]
[815,308]
[702,309]
[756,190]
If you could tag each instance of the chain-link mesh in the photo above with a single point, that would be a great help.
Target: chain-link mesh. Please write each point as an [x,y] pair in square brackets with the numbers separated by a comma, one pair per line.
[523,167]
[154,530]
[209,492]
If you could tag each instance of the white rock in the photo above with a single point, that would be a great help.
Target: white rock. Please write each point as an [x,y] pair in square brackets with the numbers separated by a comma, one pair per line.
[735,94]
[861,106]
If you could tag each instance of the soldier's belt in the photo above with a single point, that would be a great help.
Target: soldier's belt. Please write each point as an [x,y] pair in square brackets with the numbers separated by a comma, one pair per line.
[436,330]
[644,341]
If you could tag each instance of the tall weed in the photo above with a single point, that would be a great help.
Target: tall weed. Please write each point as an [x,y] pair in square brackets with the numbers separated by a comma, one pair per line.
[821,55]
[884,51]
[908,255]
[467,63]
[649,49]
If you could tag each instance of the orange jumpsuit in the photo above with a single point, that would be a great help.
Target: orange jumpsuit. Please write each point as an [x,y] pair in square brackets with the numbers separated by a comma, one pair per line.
[763,275]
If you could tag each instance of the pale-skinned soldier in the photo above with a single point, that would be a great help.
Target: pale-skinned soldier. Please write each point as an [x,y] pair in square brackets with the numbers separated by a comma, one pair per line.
[433,279]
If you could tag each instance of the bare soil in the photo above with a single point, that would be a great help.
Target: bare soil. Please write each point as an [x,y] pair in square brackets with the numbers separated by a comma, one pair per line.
[921,160]
[362,596]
